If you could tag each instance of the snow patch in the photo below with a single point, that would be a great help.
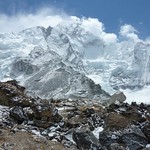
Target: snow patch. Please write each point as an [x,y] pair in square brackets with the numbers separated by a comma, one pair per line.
[139,96]
[96,131]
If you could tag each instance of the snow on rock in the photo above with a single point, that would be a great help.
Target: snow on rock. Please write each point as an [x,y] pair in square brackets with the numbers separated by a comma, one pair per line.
[138,96]
[58,62]
[4,113]
[97,131]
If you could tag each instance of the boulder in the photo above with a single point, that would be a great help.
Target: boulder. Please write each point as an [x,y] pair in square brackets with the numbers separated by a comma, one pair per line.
[45,115]
[42,123]
[12,94]
[118,97]
[116,121]
[116,146]
[17,114]
[95,121]
[85,140]
[107,138]
[146,130]
[134,141]
[22,101]
[88,112]
[132,113]
[74,121]
[42,110]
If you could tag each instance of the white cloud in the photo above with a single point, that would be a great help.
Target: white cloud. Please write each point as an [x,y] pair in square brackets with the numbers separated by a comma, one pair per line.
[129,32]
[43,17]
[97,28]
[110,38]
[52,16]
[93,25]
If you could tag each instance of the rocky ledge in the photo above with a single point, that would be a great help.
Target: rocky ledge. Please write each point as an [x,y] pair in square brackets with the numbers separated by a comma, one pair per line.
[33,123]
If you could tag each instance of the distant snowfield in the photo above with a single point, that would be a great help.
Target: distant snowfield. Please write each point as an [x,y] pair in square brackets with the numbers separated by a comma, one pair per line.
[140,96]
[137,96]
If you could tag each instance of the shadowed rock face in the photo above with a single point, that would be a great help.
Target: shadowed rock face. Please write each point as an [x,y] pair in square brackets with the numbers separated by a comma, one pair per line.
[134,141]
[86,140]
[77,124]
[17,114]
[24,108]
[8,91]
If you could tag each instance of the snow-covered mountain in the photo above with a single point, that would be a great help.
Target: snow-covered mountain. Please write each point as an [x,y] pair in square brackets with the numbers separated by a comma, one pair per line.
[58,62]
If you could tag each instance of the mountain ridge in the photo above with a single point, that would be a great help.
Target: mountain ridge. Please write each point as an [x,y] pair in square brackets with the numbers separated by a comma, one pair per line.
[70,53]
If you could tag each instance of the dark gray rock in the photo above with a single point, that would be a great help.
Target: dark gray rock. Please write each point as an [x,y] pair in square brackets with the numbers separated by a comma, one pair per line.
[17,114]
[85,140]
[146,130]
[116,146]
[95,121]
[45,115]
[107,138]
[134,141]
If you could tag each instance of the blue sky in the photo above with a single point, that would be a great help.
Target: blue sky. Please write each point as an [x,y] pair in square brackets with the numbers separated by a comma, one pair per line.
[113,13]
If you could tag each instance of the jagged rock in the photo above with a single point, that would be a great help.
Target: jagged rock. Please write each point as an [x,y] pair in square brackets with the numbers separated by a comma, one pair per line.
[12,94]
[133,129]
[85,140]
[7,91]
[69,144]
[125,125]
[115,120]
[29,112]
[107,138]
[112,107]
[41,110]
[74,121]
[5,119]
[118,97]
[134,141]
[42,123]
[146,130]
[131,137]
[95,121]
[17,113]
[56,118]
[45,115]
[116,146]
[88,112]
[133,114]
[22,101]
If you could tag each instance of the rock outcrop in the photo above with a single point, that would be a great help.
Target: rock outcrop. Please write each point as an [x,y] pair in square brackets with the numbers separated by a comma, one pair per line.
[73,124]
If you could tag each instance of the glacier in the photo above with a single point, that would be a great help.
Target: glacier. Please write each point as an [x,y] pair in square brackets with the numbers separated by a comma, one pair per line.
[75,58]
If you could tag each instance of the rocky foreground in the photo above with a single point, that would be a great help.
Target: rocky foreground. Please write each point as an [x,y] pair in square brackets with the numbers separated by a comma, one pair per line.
[35,124]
